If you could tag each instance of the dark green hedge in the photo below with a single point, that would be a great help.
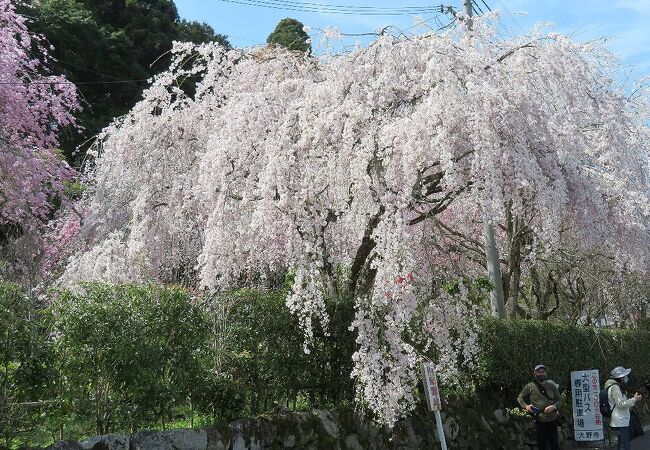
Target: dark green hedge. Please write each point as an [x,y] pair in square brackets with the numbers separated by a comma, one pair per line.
[509,349]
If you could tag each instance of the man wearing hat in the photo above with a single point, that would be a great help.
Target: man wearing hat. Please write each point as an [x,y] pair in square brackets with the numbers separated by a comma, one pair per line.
[541,399]
[620,404]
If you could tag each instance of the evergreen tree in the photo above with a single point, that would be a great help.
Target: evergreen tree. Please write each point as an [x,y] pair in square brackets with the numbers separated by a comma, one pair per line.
[199,33]
[289,33]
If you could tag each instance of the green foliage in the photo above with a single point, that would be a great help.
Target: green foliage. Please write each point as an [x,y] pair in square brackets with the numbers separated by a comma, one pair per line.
[219,397]
[264,353]
[87,50]
[644,324]
[289,33]
[151,26]
[24,361]
[115,358]
[128,354]
[509,349]
[199,33]
[74,190]
[14,339]
[478,289]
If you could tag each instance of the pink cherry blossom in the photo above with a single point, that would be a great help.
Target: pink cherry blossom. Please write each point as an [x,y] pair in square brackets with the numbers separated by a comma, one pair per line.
[33,106]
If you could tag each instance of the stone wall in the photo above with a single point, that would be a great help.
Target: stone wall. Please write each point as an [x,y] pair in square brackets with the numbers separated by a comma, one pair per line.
[469,425]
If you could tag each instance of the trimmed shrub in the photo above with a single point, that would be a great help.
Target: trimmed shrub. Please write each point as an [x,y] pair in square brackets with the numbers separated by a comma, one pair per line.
[510,349]
[133,356]
[127,354]
[263,352]
[115,358]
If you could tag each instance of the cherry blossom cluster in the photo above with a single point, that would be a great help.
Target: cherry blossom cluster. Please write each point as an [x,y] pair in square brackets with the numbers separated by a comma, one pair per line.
[451,324]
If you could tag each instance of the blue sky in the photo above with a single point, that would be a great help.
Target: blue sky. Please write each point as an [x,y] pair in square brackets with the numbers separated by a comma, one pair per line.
[626,23]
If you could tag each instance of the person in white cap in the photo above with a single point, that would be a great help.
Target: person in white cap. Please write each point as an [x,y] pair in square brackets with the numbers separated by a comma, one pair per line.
[620,404]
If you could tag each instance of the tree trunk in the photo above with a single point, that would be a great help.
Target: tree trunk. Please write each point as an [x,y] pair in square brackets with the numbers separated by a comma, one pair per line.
[516,234]
[515,278]
[191,413]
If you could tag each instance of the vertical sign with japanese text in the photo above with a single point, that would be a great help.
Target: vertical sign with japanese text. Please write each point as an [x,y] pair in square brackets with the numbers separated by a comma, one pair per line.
[587,420]
[431,387]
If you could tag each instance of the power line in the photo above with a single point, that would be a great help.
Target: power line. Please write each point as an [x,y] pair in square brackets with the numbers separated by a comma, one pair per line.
[66,63]
[490,21]
[486,5]
[478,7]
[112,81]
[286,5]
[403,32]
[500,24]
[511,16]
[424,22]
[351,8]
[72,82]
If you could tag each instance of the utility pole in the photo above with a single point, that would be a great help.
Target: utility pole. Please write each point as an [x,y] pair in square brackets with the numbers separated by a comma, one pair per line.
[491,250]
[468,8]
[494,269]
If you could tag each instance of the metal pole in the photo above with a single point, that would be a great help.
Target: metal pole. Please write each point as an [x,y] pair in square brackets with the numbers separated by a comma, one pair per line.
[468,8]
[432,394]
[491,250]
[494,270]
[441,430]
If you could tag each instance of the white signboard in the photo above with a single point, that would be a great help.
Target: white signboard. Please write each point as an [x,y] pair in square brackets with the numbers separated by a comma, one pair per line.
[431,387]
[587,420]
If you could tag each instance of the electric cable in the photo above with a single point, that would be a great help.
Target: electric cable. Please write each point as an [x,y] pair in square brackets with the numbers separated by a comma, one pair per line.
[334,9]
[511,16]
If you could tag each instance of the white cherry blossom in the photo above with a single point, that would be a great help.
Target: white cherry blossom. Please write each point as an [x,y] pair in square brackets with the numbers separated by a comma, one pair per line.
[340,170]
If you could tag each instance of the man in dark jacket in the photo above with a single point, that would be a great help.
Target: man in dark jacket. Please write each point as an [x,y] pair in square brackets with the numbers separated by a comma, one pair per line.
[541,399]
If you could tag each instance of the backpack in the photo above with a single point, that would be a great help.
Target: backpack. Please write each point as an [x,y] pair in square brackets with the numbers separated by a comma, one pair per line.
[636,427]
[605,408]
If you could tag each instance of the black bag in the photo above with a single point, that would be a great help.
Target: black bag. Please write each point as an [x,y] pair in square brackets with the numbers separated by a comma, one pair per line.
[636,429]
[542,390]
[603,398]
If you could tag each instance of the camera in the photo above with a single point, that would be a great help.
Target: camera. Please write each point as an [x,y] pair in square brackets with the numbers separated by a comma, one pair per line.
[534,411]
[645,391]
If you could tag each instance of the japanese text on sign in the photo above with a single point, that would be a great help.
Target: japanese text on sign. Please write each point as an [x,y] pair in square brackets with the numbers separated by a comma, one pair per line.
[587,420]
[431,387]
